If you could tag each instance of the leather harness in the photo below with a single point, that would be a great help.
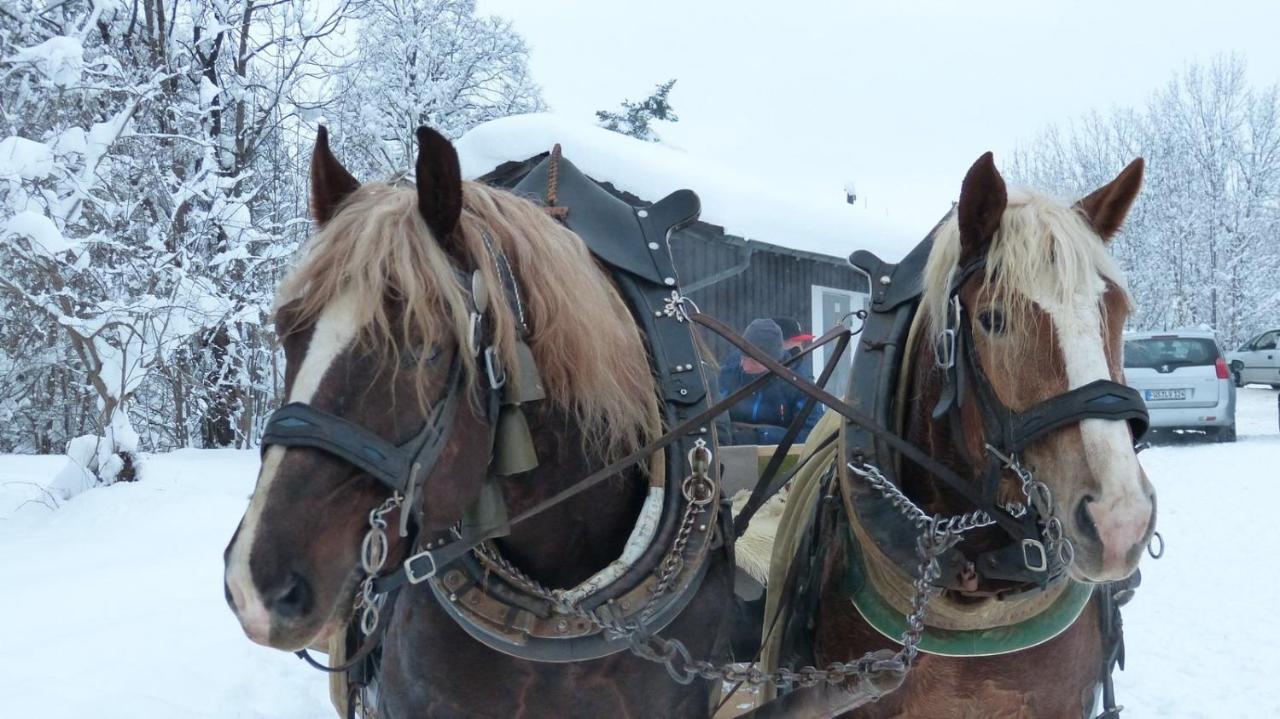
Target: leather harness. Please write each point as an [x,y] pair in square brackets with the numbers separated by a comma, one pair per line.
[873,388]
[633,244]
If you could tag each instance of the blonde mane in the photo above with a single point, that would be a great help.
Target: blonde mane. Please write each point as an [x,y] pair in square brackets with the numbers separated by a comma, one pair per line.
[587,347]
[1042,249]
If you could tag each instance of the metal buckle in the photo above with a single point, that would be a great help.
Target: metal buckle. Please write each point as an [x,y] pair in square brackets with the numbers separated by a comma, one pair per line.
[492,365]
[419,578]
[473,337]
[1036,559]
[944,351]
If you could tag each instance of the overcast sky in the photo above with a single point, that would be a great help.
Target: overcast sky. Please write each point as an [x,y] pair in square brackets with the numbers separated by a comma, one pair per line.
[899,97]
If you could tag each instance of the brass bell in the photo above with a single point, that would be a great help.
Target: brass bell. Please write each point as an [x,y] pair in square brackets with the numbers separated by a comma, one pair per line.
[513,450]
[526,386]
[488,511]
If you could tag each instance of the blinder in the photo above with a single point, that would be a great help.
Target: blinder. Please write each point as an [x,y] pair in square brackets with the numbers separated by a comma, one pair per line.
[1014,431]
[298,424]
[401,468]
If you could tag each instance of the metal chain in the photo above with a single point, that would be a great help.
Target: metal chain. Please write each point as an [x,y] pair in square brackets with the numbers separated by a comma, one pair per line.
[373,557]
[938,534]
[698,490]
[955,524]
[1039,496]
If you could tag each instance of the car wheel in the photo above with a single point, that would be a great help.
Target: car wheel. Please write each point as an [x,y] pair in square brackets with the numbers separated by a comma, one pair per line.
[1227,434]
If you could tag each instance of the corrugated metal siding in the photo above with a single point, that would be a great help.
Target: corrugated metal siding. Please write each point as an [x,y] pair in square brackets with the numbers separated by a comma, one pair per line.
[777,283]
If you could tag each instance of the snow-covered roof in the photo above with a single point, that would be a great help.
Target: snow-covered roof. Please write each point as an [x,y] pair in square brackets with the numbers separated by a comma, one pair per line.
[778,211]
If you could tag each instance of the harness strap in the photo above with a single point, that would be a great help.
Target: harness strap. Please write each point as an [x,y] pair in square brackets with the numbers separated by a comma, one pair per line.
[910,451]
[424,564]
[371,642]
[765,488]
[298,424]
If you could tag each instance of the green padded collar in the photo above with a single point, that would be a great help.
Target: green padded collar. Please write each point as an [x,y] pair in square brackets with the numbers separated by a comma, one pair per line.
[1046,625]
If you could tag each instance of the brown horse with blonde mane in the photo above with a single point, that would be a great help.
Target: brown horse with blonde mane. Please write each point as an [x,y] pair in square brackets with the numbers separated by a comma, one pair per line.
[1017,335]
[372,318]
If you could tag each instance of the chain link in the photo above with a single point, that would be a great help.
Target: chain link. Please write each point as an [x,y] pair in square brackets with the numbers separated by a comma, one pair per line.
[1039,496]
[373,557]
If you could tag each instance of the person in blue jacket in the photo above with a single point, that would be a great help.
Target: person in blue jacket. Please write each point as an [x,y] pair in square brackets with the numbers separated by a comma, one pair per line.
[763,416]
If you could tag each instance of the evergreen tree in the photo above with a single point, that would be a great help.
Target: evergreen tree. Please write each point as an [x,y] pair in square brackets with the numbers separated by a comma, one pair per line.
[636,118]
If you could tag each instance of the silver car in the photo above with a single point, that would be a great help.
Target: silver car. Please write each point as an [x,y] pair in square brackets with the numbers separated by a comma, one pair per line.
[1184,380]
[1258,360]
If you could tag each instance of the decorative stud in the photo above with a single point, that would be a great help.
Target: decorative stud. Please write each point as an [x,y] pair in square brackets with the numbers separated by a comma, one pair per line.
[642,213]
[885,280]
[669,281]
[653,245]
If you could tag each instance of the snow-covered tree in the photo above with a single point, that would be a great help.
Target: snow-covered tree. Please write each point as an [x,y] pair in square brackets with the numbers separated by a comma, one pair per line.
[144,214]
[416,62]
[1199,247]
[636,118]
[153,165]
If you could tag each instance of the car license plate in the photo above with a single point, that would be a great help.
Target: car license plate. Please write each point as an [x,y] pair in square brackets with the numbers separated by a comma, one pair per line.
[1166,394]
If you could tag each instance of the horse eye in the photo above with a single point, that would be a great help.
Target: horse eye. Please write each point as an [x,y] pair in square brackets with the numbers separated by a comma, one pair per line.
[992,321]
[410,358]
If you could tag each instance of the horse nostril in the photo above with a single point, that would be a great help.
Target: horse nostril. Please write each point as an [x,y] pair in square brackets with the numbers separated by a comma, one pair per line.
[293,599]
[1084,520]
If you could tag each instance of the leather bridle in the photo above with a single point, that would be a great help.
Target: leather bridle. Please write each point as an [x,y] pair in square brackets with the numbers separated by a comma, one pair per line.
[1007,433]
[398,467]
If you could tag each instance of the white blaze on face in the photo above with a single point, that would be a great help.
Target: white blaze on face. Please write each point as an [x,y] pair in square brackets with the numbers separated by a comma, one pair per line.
[1121,508]
[334,331]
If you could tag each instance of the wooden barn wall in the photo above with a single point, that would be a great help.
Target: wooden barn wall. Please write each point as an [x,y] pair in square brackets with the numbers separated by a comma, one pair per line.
[776,284]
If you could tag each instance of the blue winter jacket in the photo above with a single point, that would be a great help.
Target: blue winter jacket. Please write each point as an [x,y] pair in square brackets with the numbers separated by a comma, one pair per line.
[763,416]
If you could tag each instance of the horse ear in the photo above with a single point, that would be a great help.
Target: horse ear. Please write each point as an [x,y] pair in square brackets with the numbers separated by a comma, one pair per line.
[983,198]
[330,181]
[1107,206]
[439,184]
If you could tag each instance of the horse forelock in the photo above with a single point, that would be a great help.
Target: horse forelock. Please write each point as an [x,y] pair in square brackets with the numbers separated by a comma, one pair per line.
[588,349]
[1044,253]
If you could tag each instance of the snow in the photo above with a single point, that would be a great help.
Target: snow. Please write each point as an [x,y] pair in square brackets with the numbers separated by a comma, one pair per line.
[208,92]
[60,59]
[23,159]
[40,229]
[116,608]
[780,211]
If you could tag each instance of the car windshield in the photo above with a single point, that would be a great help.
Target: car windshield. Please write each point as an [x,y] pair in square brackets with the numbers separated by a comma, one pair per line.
[1171,351]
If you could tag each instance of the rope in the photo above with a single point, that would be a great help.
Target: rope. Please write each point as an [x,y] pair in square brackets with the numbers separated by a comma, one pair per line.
[553,185]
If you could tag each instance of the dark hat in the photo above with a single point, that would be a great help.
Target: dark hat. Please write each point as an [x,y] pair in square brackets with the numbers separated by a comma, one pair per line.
[765,335]
[791,329]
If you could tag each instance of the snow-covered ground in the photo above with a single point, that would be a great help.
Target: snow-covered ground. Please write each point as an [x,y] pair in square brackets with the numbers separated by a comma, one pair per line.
[111,606]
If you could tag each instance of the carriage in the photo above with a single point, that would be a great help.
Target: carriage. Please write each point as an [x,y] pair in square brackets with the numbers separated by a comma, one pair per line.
[495,488]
